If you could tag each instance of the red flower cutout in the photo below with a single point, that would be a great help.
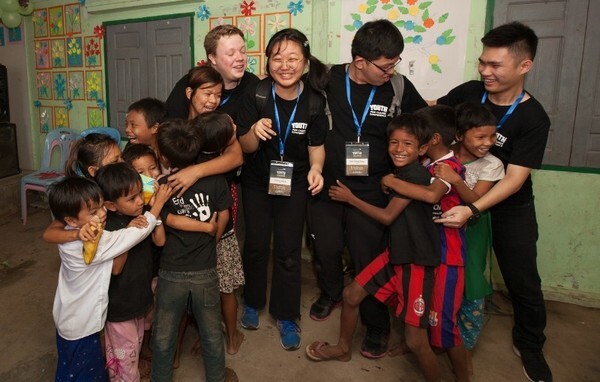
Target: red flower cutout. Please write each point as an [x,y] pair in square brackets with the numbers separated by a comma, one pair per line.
[247,8]
[201,63]
[99,31]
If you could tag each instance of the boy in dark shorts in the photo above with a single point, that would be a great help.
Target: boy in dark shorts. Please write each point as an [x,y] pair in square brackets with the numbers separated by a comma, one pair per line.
[403,275]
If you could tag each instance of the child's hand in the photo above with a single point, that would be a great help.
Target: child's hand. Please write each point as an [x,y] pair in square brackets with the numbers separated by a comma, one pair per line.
[88,231]
[162,194]
[213,225]
[385,183]
[138,222]
[445,172]
[315,182]
[263,129]
[340,193]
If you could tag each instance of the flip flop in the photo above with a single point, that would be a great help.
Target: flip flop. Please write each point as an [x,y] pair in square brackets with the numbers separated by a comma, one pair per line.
[314,351]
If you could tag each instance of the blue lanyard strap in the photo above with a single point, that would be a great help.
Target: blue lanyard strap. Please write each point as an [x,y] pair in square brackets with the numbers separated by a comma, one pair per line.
[367,106]
[510,109]
[278,123]
[225,100]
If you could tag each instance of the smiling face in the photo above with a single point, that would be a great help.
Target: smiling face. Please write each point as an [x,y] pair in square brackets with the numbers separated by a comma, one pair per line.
[287,63]
[230,59]
[403,148]
[146,165]
[501,71]
[131,204]
[138,131]
[476,142]
[204,99]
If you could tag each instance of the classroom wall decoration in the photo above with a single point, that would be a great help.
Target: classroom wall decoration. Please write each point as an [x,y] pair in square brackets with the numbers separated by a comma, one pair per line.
[258,22]
[63,51]
[430,29]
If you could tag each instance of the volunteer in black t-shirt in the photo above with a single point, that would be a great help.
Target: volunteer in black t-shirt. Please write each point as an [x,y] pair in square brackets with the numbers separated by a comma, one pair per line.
[285,147]
[359,95]
[522,132]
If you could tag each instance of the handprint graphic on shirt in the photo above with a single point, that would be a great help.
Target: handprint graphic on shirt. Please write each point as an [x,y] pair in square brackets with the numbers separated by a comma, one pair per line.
[202,209]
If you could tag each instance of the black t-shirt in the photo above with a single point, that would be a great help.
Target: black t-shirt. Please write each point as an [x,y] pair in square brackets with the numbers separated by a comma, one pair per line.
[186,251]
[373,132]
[521,140]
[130,293]
[306,130]
[414,238]
[178,105]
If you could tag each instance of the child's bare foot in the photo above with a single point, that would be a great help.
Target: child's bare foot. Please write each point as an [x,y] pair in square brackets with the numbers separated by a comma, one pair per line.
[234,343]
[398,349]
[322,351]
[230,375]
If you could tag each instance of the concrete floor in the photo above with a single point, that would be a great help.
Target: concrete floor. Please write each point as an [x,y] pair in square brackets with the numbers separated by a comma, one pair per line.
[28,271]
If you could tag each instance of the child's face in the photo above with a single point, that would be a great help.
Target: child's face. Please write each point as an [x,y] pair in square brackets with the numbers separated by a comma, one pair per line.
[206,98]
[137,129]
[112,156]
[96,211]
[146,165]
[403,148]
[131,204]
[479,140]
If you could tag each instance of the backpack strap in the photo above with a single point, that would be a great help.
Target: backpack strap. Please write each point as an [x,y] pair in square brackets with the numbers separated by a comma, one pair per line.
[398,85]
[263,88]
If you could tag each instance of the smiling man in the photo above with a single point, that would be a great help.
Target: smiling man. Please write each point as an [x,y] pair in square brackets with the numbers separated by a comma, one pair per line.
[360,96]
[521,134]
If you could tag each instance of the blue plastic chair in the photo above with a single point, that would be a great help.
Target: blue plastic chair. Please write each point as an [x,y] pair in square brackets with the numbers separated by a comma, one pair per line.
[110,131]
[61,139]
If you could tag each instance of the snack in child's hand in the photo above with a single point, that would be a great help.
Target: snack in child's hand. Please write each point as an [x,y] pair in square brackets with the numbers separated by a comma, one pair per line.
[147,188]
[90,247]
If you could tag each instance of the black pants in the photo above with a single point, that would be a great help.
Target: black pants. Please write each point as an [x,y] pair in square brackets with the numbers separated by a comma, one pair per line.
[515,233]
[334,225]
[282,216]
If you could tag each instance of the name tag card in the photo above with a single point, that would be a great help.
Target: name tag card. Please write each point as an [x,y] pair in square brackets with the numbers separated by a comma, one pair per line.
[357,158]
[280,178]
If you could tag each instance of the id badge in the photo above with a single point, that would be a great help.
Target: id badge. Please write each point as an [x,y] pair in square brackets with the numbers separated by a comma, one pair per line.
[280,178]
[357,158]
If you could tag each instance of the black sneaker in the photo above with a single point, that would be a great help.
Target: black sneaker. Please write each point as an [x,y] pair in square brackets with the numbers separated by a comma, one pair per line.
[535,367]
[375,344]
[321,309]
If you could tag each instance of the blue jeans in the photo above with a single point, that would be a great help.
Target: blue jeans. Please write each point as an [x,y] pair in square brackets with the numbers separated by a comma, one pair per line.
[171,299]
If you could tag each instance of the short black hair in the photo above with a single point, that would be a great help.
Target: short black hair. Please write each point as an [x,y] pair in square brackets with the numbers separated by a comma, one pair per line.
[215,129]
[441,120]
[520,39]
[67,196]
[117,180]
[154,110]
[178,143]
[412,124]
[375,39]
[473,114]
[137,150]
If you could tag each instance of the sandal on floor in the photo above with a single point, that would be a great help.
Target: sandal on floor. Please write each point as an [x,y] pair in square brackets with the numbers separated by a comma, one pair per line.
[314,351]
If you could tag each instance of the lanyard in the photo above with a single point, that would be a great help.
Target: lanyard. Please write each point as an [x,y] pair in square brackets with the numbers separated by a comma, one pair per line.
[367,106]
[510,109]
[225,100]
[278,123]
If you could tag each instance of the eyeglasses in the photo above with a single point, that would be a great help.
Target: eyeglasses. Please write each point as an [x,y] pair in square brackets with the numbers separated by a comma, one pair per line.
[385,70]
[291,63]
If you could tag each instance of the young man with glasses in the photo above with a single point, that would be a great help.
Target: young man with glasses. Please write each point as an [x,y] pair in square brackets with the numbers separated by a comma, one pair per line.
[359,95]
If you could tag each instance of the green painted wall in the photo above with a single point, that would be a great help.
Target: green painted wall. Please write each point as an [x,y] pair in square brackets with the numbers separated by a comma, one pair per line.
[567,202]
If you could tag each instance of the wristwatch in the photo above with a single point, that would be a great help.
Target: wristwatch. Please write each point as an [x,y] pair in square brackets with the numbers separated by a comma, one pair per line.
[474,210]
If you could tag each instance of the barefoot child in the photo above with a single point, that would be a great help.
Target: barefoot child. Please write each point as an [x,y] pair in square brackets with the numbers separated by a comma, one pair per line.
[475,135]
[403,275]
